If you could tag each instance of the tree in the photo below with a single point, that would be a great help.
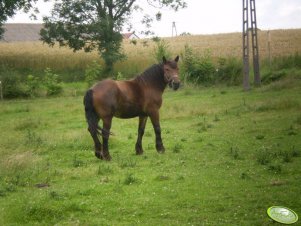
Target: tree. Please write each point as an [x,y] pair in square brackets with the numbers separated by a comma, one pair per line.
[97,24]
[8,8]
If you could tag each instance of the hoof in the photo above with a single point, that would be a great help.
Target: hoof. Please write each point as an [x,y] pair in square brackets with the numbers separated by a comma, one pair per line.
[98,154]
[139,150]
[160,148]
[106,156]
[103,156]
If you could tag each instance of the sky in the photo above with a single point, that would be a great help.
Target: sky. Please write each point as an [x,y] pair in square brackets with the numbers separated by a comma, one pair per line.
[207,16]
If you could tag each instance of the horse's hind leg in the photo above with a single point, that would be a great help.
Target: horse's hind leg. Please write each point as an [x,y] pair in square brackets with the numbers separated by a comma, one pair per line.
[105,137]
[97,144]
[141,128]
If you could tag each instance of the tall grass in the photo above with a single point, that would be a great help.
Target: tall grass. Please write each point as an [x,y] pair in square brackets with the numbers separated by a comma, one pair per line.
[29,57]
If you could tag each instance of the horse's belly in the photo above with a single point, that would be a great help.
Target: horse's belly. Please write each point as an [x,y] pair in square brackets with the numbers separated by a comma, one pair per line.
[128,111]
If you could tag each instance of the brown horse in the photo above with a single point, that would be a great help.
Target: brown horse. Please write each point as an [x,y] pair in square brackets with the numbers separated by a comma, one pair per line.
[141,96]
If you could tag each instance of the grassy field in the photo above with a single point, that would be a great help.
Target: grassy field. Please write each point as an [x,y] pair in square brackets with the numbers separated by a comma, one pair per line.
[230,155]
[32,57]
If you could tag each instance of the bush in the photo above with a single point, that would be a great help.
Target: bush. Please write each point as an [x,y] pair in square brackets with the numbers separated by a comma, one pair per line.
[229,71]
[12,84]
[15,85]
[161,49]
[33,85]
[120,76]
[51,83]
[197,69]
[93,73]
[273,76]
[286,62]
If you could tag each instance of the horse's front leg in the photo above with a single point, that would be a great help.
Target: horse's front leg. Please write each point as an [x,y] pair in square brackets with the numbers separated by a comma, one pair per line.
[105,138]
[141,128]
[154,116]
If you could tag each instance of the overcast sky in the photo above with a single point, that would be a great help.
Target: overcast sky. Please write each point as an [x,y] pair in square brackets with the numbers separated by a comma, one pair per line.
[210,16]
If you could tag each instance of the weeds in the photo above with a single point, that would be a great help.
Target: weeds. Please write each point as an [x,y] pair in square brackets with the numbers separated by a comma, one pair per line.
[56,196]
[177,148]
[162,178]
[27,124]
[127,163]
[104,170]
[298,120]
[259,137]
[283,104]
[274,158]
[234,153]
[264,156]
[77,162]
[292,131]
[295,152]
[216,118]
[244,176]
[130,179]
[275,167]
[32,138]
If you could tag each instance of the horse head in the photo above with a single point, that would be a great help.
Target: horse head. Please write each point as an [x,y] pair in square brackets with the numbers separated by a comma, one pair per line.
[171,72]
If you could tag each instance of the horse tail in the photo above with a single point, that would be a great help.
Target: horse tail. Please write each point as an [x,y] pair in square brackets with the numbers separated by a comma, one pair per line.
[91,115]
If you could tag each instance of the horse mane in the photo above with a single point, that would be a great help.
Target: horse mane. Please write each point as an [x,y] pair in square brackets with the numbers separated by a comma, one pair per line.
[154,76]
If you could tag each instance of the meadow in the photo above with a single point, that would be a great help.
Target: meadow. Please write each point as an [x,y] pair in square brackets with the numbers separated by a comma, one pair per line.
[229,156]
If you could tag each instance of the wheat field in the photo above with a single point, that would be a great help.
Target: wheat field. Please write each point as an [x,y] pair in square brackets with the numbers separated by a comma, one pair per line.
[38,56]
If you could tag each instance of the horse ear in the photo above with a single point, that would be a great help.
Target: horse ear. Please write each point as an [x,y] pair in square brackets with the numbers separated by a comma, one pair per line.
[177,58]
[164,60]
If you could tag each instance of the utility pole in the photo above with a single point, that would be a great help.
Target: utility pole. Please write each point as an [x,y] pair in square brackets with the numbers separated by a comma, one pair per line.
[245,44]
[174,29]
[1,91]
[269,48]
[246,67]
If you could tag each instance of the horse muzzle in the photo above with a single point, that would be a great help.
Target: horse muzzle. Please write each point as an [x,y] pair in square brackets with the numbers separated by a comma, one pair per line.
[174,84]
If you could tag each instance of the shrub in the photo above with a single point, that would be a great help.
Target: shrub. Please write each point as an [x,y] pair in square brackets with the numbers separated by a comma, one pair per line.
[12,84]
[33,84]
[93,73]
[197,69]
[51,83]
[161,49]
[120,76]
[286,62]
[229,71]
[272,76]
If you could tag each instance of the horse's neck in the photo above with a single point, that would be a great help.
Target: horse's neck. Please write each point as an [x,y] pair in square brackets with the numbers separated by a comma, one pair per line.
[153,77]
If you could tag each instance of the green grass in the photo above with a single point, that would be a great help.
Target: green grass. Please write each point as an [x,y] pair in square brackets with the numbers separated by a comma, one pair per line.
[229,156]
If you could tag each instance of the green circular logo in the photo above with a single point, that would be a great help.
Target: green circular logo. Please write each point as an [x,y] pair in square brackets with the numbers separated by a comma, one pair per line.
[282,214]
